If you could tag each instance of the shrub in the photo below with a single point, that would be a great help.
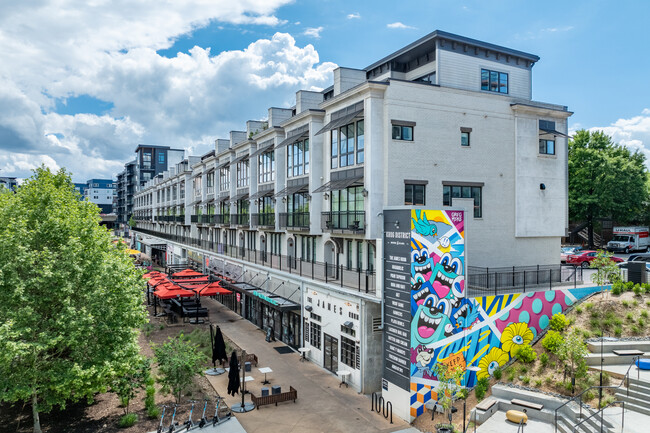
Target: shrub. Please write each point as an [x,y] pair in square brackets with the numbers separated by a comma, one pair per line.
[635,303]
[526,354]
[128,420]
[589,305]
[538,383]
[641,322]
[497,373]
[616,290]
[588,396]
[481,388]
[607,399]
[629,286]
[637,290]
[153,412]
[618,322]
[626,304]
[629,317]
[552,341]
[647,303]
[578,310]
[594,314]
[543,358]
[586,333]
[559,322]
[618,331]
[525,380]
[548,380]
[523,369]
[606,378]
[635,330]
[462,394]
[511,376]
[598,333]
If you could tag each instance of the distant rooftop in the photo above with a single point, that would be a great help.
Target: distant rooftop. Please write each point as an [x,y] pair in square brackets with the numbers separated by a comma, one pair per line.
[155,146]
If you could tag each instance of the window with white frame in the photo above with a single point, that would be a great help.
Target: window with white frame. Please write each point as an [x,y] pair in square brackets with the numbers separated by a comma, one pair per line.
[242,173]
[266,167]
[224,179]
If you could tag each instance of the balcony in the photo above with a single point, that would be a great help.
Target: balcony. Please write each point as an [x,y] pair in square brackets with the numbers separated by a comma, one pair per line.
[222,219]
[263,220]
[205,219]
[195,219]
[180,219]
[241,219]
[344,221]
[295,220]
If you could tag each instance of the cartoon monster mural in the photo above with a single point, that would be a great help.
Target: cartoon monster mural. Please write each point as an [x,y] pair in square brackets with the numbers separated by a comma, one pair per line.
[431,322]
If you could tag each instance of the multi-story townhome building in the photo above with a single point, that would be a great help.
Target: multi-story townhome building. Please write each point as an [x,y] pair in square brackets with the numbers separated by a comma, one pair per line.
[292,208]
[101,192]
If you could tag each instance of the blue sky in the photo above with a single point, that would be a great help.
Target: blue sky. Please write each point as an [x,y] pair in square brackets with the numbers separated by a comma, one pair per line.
[82,85]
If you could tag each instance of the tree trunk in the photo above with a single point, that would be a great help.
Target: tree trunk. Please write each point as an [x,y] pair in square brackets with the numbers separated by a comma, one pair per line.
[590,232]
[37,421]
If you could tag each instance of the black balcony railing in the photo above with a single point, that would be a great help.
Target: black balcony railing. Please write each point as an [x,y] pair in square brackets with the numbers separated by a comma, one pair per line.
[263,220]
[294,220]
[517,279]
[222,219]
[344,221]
[205,219]
[241,219]
[363,280]
[195,218]
[180,219]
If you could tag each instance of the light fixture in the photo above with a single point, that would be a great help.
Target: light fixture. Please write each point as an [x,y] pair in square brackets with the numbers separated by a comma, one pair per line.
[348,324]
[364,192]
[326,196]
[397,225]
[309,308]
[542,186]
[284,199]
[257,201]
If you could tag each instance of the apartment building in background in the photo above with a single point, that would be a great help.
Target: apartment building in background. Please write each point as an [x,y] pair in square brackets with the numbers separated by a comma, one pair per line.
[292,207]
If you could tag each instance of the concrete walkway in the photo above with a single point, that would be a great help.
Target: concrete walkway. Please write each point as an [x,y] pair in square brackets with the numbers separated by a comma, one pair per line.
[321,406]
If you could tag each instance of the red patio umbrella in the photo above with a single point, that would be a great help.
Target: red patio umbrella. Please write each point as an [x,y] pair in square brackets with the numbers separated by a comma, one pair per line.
[151,275]
[192,280]
[211,289]
[171,293]
[187,273]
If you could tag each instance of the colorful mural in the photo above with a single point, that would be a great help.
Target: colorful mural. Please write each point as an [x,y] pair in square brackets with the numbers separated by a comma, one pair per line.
[447,327]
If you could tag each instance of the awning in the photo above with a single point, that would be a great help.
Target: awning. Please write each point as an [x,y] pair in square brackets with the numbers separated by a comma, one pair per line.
[239,158]
[242,196]
[293,139]
[291,190]
[222,165]
[261,194]
[343,120]
[335,185]
[552,132]
[223,198]
[261,150]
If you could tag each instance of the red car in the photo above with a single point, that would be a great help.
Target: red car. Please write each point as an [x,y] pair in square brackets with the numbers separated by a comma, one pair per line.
[584,258]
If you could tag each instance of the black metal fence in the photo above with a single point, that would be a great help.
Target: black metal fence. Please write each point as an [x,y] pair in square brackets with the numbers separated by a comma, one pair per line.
[363,280]
[518,279]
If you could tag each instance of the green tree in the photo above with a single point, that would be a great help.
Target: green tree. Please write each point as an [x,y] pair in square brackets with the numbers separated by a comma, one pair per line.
[126,385]
[449,378]
[70,302]
[606,270]
[572,352]
[132,222]
[606,180]
[179,362]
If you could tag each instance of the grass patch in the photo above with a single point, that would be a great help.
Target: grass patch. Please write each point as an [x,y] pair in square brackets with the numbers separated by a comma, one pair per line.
[128,420]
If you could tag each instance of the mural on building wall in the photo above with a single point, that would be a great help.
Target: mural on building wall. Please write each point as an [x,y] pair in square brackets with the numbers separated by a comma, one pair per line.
[447,327]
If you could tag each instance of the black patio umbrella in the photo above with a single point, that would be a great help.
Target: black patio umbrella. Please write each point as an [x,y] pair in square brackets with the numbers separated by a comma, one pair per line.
[219,348]
[233,375]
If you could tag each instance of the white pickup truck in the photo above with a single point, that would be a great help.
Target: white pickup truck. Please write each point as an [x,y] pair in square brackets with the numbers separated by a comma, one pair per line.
[628,239]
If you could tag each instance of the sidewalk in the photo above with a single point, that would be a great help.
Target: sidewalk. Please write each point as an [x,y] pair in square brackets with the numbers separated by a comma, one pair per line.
[321,405]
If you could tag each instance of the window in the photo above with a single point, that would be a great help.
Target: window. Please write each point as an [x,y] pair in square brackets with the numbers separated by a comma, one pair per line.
[210,184]
[266,167]
[346,142]
[402,130]
[348,352]
[414,195]
[349,331]
[146,160]
[315,317]
[464,136]
[266,205]
[494,81]
[449,192]
[298,158]
[314,335]
[224,179]
[546,147]
[429,78]
[196,184]
[349,255]
[161,158]
[242,173]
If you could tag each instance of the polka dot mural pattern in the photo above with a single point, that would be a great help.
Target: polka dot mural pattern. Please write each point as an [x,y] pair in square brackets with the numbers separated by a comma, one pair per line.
[535,309]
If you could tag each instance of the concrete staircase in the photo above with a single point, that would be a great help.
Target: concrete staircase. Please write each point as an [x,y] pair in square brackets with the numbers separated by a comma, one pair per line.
[636,396]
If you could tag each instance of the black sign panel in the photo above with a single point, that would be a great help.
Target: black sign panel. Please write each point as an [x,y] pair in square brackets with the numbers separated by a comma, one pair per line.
[397,293]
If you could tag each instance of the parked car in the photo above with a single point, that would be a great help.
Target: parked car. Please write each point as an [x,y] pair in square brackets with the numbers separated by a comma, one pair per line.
[625,265]
[642,257]
[584,258]
[567,251]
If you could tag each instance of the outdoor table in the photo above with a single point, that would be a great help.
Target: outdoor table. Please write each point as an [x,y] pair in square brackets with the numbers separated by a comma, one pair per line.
[265,370]
[343,374]
[246,379]
[303,351]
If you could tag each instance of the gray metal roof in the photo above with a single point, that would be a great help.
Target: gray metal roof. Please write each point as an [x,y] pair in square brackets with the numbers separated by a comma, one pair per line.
[427,43]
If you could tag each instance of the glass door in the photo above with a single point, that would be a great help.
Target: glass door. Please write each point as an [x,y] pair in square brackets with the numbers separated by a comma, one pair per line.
[331,352]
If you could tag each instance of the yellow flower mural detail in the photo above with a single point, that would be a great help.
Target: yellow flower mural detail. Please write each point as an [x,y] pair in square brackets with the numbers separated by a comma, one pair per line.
[490,362]
[514,336]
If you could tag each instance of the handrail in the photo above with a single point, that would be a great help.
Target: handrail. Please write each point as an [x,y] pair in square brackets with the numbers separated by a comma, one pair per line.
[520,429]
[579,396]
[575,428]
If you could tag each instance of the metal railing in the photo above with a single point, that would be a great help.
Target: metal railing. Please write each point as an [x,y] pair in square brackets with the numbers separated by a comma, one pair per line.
[578,398]
[600,413]
[263,220]
[241,219]
[221,219]
[294,220]
[517,279]
[195,218]
[348,221]
[331,273]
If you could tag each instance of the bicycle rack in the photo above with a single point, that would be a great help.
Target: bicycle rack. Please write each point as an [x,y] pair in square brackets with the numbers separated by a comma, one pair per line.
[381,406]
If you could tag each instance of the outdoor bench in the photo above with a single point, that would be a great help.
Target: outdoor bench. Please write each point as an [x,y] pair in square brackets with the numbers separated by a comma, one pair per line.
[252,358]
[193,313]
[277,398]
[527,404]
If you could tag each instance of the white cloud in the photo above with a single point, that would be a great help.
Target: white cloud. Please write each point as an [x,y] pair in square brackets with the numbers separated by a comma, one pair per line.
[398,25]
[354,15]
[109,52]
[633,133]
[314,32]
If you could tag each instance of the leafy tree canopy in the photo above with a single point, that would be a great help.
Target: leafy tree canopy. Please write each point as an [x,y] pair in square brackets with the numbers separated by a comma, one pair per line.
[179,361]
[606,180]
[70,301]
